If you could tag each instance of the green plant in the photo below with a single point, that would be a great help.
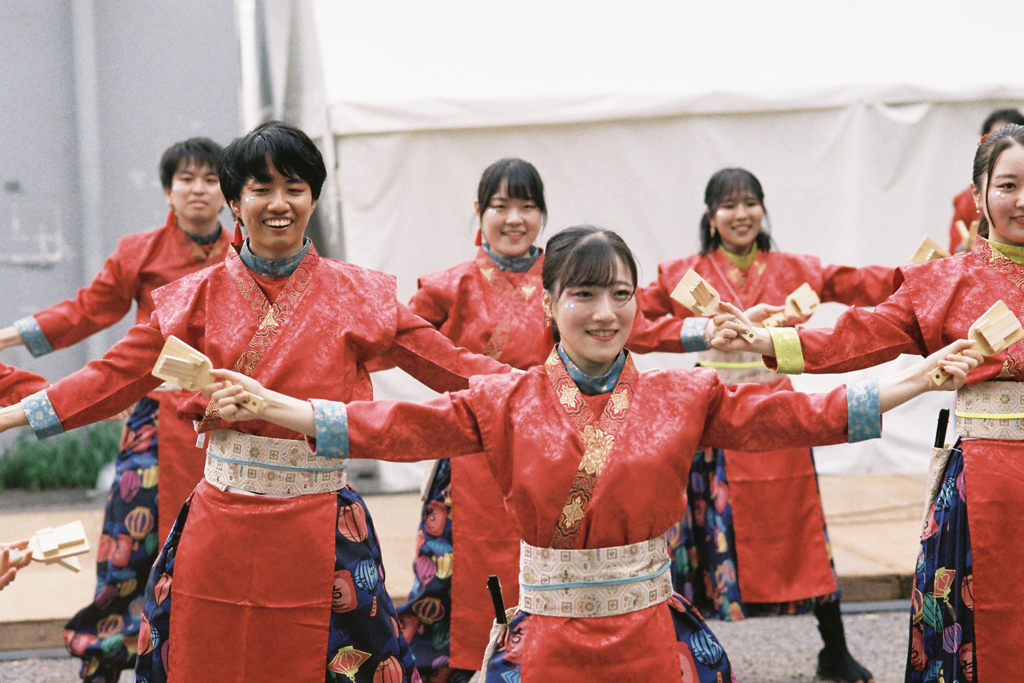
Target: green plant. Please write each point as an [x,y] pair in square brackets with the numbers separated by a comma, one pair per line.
[70,460]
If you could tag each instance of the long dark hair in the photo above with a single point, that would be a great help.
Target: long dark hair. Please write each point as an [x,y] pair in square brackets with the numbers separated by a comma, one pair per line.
[584,256]
[989,149]
[722,186]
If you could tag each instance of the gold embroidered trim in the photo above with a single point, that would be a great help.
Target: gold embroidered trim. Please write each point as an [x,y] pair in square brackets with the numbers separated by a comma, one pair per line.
[598,439]
[789,354]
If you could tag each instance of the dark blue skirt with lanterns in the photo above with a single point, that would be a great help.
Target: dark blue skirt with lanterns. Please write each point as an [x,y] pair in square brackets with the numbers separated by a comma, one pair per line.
[707,661]
[703,549]
[942,603]
[104,634]
[361,640]
[426,615]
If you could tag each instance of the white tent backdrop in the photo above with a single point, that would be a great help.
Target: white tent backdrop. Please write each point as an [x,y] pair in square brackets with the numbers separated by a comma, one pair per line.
[860,122]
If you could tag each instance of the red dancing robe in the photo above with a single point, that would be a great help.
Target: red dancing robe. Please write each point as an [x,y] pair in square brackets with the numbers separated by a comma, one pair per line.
[934,305]
[964,210]
[534,447]
[310,334]
[141,263]
[496,313]
[17,384]
[777,513]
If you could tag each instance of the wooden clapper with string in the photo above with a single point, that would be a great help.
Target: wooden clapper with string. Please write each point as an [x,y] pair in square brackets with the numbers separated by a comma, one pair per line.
[700,298]
[180,364]
[992,332]
[801,303]
[58,545]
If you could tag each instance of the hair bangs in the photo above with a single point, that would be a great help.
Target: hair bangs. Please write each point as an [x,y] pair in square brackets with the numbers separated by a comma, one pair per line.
[592,262]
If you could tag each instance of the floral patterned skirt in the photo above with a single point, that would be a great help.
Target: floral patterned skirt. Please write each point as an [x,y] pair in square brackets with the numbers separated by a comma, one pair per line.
[105,634]
[703,549]
[701,657]
[942,605]
[364,643]
[425,617]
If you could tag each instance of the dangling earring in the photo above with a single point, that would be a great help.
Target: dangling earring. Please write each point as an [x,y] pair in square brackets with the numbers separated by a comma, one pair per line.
[713,230]
[479,235]
[239,240]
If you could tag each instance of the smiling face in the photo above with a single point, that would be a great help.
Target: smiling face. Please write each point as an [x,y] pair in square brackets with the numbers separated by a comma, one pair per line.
[1002,200]
[275,213]
[737,219]
[195,196]
[509,225]
[594,322]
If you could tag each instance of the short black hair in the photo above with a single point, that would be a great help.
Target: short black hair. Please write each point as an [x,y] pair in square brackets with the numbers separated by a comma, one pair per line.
[522,182]
[722,186]
[286,147]
[192,152]
[1008,115]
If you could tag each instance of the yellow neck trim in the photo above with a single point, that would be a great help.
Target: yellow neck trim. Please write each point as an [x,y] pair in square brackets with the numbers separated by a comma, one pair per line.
[741,262]
[1013,252]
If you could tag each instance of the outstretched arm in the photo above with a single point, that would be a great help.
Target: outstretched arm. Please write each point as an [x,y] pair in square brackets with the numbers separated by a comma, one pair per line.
[754,418]
[382,430]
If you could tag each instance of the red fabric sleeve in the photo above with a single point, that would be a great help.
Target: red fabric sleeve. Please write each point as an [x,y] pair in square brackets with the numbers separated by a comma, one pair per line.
[431,358]
[963,210]
[407,432]
[757,418]
[106,300]
[862,339]
[111,384]
[661,334]
[16,384]
[430,304]
[868,286]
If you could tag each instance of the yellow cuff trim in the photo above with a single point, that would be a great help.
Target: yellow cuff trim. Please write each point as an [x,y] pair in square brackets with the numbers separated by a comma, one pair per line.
[730,366]
[987,416]
[788,353]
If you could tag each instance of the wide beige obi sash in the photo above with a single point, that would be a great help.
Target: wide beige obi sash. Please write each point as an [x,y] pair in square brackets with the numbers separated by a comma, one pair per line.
[735,367]
[598,582]
[275,467]
[991,410]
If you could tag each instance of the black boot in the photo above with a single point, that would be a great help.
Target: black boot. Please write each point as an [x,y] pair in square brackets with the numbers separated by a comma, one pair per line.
[835,663]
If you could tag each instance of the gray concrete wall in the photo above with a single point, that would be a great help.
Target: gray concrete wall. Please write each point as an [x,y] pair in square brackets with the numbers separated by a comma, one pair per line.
[83,143]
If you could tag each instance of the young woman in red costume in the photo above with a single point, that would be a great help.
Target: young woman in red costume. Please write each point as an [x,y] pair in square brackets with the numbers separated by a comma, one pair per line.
[490,305]
[272,567]
[137,520]
[586,451]
[753,542]
[969,583]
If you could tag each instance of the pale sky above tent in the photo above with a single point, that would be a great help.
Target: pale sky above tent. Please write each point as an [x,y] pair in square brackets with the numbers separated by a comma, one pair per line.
[403,52]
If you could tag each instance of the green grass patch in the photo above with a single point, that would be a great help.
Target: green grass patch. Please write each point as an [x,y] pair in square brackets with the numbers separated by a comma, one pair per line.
[67,461]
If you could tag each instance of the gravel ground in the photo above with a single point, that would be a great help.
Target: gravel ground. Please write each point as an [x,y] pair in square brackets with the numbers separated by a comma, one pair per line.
[777,650]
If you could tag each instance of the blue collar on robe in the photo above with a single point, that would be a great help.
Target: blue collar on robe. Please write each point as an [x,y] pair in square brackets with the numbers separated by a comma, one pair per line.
[204,240]
[279,268]
[592,386]
[513,264]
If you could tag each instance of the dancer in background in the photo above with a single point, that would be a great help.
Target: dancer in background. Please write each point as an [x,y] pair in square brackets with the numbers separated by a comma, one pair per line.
[964,209]
[969,583]
[287,585]
[104,634]
[577,447]
[490,305]
[754,542]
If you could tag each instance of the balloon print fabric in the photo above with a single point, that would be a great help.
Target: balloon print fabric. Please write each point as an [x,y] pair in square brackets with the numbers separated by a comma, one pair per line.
[425,617]
[105,634]
[942,604]
[365,644]
[703,549]
[702,658]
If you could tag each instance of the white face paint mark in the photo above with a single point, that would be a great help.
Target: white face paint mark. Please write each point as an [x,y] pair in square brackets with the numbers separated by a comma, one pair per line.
[250,199]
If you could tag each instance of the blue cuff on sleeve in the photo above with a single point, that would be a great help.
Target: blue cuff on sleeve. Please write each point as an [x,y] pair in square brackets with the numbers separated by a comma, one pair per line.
[331,418]
[32,335]
[692,335]
[864,420]
[41,416]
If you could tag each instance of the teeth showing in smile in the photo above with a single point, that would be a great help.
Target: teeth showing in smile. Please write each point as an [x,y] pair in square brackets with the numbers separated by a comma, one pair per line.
[278,222]
[602,334]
